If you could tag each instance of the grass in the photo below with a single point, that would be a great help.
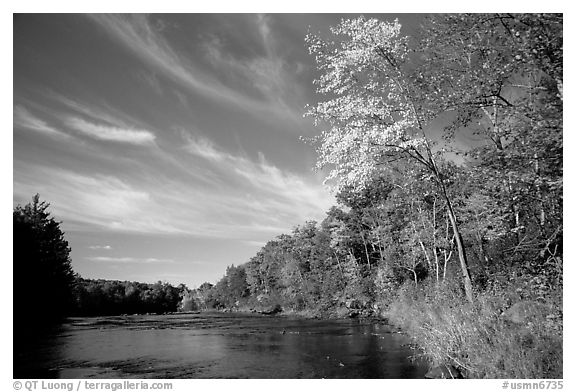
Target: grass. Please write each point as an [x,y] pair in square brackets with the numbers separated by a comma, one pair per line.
[476,338]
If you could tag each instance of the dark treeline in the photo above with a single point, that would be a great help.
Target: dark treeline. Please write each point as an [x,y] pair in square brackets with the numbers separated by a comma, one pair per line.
[101,297]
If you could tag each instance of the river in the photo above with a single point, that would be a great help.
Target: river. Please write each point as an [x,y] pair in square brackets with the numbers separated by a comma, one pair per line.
[217,345]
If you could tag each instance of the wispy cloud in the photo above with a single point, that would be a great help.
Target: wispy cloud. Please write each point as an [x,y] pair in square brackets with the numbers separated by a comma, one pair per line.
[25,119]
[269,74]
[138,34]
[100,121]
[259,85]
[263,74]
[263,23]
[252,199]
[131,260]
[266,189]
[111,133]
[101,112]
[103,247]
[88,202]
[203,147]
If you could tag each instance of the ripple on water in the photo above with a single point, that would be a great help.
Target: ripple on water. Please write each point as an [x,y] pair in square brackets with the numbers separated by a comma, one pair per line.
[219,346]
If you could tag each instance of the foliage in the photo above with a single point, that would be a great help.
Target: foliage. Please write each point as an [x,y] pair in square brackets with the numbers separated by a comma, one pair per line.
[501,75]
[370,109]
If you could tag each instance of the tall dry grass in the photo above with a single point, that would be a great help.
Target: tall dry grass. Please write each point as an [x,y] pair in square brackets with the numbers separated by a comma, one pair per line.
[476,338]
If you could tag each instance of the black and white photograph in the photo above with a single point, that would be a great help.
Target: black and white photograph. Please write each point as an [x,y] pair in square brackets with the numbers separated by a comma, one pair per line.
[287,196]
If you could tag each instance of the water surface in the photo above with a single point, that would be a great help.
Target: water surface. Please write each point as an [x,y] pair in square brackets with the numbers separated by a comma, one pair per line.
[218,345]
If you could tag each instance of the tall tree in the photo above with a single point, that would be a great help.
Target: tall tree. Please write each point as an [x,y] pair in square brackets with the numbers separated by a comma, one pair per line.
[43,276]
[376,109]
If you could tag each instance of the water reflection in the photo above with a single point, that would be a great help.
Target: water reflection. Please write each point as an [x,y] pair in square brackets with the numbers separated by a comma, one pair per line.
[218,346]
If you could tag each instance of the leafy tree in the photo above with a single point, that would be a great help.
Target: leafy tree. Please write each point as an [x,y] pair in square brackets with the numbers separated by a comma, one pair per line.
[377,111]
[203,293]
[501,76]
[43,276]
[189,301]
[237,285]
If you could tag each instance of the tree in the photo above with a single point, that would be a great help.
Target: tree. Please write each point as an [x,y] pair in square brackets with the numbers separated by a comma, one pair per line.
[189,301]
[43,276]
[377,111]
[203,294]
[500,75]
[237,285]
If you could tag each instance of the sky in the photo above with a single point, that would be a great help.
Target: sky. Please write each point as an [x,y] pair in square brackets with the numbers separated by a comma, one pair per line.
[170,146]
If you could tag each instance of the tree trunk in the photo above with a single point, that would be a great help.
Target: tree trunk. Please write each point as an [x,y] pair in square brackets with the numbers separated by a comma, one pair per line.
[461,257]
[366,250]
[459,246]
[425,253]
[435,243]
[380,251]
[513,209]
[437,265]
[542,220]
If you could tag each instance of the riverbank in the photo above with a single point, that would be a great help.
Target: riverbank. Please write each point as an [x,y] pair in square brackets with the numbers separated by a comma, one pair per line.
[501,335]
[506,333]
[331,314]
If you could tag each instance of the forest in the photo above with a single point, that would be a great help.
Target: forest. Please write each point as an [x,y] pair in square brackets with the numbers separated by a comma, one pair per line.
[445,153]
[100,297]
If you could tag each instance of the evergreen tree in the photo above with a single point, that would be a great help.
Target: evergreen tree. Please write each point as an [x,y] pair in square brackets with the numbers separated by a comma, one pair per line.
[43,276]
